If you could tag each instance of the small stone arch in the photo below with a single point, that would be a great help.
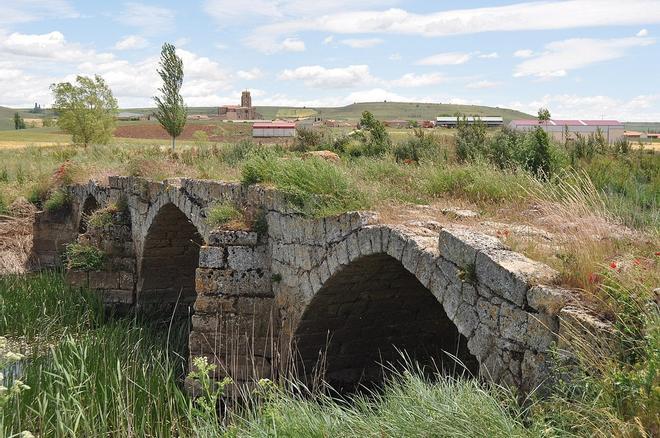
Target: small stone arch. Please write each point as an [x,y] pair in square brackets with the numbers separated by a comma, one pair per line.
[371,304]
[167,266]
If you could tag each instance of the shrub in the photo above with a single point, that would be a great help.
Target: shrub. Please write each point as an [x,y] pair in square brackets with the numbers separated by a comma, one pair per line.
[82,257]
[377,141]
[221,213]
[58,200]
[470,139]
[105,216]
[307,140]
[234,153]
[419,146]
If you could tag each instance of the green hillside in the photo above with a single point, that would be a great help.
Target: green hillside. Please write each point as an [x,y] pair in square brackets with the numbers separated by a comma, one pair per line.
[382,110]
[404,110]
[7,116]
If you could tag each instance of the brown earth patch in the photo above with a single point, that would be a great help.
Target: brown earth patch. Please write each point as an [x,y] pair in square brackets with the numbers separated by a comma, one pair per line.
[222,132]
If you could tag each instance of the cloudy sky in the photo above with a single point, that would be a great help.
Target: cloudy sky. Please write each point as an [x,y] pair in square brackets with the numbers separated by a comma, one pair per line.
[580,58]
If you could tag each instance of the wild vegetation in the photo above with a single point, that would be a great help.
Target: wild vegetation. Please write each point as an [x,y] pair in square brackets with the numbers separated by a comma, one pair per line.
[90,374]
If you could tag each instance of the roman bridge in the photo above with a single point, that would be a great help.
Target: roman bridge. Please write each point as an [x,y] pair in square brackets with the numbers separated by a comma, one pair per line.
[339,295]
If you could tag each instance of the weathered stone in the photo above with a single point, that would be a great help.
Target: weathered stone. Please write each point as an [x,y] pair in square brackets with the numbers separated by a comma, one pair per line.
[510,274]
[548,299]
[233,238]
[460,246]
[77,278]
[459,213]
[513,323]
[103,280]
[126,280]
[581,331]
[243,258]
[212,257]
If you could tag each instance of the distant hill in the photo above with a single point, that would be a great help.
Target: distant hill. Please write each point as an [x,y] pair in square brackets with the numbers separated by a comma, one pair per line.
[402,110]
[382,111]
[7,116]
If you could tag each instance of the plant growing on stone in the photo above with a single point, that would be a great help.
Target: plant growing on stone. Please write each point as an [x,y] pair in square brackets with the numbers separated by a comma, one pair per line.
[222,213]
[104,216]
[81,257]
[57,201]
[171,112]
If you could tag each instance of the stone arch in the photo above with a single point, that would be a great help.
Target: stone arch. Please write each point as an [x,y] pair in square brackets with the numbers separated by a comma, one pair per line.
[169,259]
[89,206]
[370,307]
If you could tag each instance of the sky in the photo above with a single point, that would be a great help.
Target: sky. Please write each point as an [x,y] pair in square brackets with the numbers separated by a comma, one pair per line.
[579,58]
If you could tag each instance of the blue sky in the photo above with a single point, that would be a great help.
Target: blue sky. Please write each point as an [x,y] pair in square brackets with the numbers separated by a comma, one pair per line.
[579,58]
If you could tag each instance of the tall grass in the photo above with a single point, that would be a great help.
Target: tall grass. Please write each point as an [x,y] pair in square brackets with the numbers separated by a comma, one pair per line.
[41,307]
[409,405]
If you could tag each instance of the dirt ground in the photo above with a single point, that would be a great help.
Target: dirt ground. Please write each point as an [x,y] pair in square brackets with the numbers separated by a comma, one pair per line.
[223,132]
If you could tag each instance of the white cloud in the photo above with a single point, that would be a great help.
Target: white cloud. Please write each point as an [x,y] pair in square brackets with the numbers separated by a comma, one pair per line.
[562,56]
[447,58]
[481,85]
[570,106]
[321,77]
[523,53]
[34,10]
[394,57]
[329,39]
[149,19]
[642,33]
[250,75]
[410,80]
[491,55]
[131,42]
[293,45]
[539,15]
[48,46]
[361,43]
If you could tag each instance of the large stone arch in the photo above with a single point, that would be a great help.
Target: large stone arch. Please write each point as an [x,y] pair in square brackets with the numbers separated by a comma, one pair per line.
[372,315]
[168,261]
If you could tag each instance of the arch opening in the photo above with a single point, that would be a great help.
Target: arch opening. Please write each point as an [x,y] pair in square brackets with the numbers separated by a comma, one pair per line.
[367,318]
[89,206]
[170,257]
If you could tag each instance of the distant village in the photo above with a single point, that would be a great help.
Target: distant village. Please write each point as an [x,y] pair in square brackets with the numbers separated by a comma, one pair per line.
[559,130]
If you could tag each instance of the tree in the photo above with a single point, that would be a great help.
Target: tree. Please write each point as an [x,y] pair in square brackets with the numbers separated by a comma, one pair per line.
[379,141]
[86,109]
[544,115]
[19,123]
[171,112]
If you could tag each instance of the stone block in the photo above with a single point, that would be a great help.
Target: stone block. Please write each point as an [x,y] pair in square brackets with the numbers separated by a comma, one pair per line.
[103,280]
[580,331]
[117,296]
[481,342]
[126,281]
[212,257]
[466,319]
[548,299]
[510,275]
[460,246]
[77,278]
[513,323]
[541,331]
[488,313]
[243,258]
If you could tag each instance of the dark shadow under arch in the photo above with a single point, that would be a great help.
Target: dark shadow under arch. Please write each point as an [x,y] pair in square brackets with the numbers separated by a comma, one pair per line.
[89,206]
[169,260]
[365,316]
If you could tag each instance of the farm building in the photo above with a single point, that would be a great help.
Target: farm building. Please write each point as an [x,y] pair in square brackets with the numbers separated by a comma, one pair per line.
[612,130]
[274,129]
[452,121]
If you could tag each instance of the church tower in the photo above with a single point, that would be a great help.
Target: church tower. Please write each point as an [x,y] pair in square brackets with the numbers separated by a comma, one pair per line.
[246,99]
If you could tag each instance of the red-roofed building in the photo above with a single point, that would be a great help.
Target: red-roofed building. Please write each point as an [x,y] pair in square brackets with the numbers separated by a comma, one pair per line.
[273,129]
[612,130]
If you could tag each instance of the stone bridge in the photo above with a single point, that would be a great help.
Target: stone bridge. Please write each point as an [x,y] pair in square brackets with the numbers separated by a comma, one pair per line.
[338,296]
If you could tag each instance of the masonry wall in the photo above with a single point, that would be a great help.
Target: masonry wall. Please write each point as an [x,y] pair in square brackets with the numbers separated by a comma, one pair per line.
[364,285]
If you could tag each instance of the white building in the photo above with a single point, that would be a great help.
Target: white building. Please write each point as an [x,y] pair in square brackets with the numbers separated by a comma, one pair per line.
[452,121]
[612,130]
[274,129]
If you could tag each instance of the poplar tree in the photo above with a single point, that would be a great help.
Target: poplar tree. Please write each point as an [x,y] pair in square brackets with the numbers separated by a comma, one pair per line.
[171,112]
